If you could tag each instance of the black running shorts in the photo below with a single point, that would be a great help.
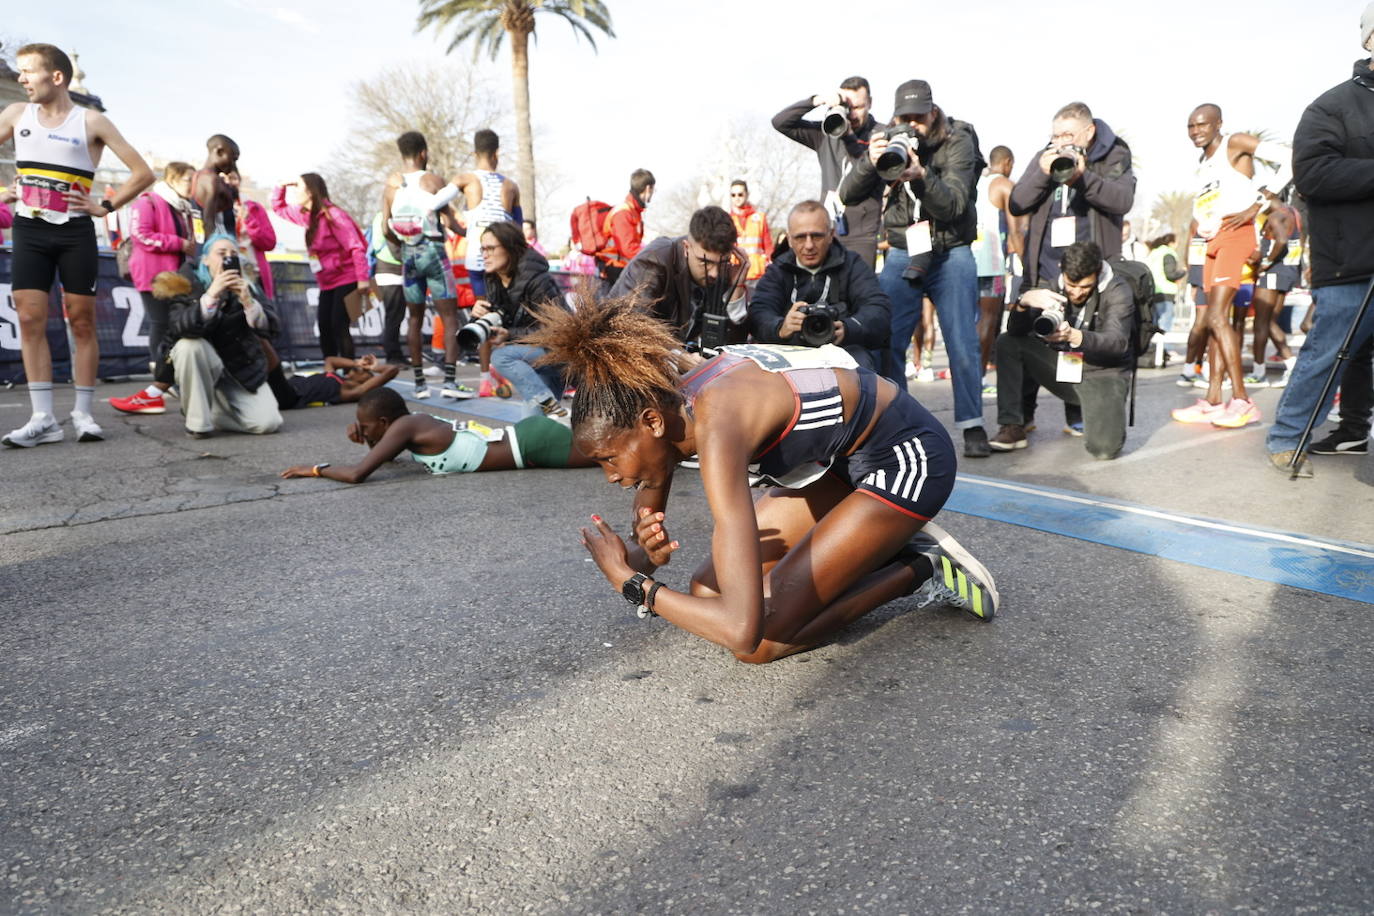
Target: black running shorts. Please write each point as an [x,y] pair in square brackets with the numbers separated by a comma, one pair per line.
[43,251]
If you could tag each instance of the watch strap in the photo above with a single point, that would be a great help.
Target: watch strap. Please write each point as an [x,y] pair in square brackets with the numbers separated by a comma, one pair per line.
[648,606]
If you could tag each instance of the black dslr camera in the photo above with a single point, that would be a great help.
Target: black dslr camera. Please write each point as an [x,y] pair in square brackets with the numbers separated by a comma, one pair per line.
[818,325]
[903,142]
[1063,165]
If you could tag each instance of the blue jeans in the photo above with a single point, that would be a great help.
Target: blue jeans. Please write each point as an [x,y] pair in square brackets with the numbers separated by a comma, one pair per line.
[516,362]
[952,284]
[1336,309]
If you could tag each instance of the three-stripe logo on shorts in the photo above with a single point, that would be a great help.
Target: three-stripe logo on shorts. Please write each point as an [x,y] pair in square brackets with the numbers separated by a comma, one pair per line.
[912,471]
[820,412]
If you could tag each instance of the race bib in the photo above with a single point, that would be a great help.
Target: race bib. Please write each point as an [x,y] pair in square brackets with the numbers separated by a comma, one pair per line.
[1063,232]
[1069,369]
[779,358]
[42,197]
[918,238]
[1197,251]
[1293,258]
[315,264]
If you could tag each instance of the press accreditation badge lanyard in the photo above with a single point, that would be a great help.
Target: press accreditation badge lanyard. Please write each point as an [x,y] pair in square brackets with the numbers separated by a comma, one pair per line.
[918,240]
[1069,368]
[1063,228]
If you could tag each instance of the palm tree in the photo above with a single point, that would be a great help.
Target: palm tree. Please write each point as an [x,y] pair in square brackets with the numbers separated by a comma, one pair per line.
[487,23]
[1173,212]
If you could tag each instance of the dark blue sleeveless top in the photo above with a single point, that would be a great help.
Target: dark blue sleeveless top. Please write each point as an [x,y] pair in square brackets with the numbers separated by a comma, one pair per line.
[817,432]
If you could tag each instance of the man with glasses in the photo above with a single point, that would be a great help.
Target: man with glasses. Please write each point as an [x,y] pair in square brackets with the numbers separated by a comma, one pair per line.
[1085,203]
[682,279]
[813,274]
[751,225]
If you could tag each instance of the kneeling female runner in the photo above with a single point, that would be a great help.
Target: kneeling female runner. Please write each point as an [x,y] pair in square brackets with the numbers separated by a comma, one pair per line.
[855,470]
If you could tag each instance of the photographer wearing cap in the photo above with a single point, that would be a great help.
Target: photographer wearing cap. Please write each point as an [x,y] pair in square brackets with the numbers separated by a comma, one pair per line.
[694,282]
[840,140]
[1074,340]
[816,292]
[930,165]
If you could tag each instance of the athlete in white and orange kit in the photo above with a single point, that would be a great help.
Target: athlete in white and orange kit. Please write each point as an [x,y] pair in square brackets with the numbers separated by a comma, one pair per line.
[1227,201]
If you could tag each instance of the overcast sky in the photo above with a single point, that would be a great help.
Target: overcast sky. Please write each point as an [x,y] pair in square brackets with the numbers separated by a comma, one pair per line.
[657,93]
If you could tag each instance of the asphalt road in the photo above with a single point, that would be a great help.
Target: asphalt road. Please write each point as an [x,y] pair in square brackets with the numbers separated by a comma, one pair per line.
[225,692]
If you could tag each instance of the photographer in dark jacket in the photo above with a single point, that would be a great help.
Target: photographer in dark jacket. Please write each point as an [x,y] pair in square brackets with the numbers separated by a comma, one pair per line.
[679,279]
[214,326]
[930,220]
[1333,167]
[1083,359]
[859,221]
[814,270]
[517,277]
[1085,203]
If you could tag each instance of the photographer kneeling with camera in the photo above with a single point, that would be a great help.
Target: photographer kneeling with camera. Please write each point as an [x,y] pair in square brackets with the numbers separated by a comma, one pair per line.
[817,292]
[215,321]
[1075,341]
[517,278]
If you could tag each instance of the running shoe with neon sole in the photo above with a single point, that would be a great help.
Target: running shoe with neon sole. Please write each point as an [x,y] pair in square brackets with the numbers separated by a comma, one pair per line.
[140,403]
[87,430]
[40,430]
[1189,375]
[458,390]
[486,390]
[1200,412]
[959,580]
[1238,412]
[1257,381]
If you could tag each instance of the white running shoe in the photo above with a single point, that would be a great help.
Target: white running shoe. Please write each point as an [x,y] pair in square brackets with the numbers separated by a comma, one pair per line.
[86,427]
[911,369]
[959,580]
[40,430]
[422,391]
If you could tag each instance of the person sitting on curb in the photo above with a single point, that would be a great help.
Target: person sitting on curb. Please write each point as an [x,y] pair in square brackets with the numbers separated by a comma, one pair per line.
[446,446]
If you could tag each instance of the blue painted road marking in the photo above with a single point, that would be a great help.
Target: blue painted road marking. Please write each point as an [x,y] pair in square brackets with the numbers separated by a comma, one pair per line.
[1331,567]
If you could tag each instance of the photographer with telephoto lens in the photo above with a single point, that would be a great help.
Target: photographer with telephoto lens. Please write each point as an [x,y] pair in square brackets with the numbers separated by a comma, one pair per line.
[816,292]
[840,140]
[1073,337]
[517,279]
[930,219]
[1078,189]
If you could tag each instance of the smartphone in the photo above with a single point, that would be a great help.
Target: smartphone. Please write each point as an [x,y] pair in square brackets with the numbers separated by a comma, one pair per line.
[231,262]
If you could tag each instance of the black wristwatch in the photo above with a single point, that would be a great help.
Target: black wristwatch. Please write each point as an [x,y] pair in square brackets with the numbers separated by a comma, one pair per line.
[108,205]
[633,590]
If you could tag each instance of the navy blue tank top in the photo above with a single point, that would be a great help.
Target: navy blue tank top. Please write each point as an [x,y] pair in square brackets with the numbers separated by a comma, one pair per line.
[817,432]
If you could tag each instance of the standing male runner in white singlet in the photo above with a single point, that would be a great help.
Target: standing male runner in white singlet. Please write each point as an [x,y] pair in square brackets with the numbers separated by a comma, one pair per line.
[490,198]
[412,205]
[57,147]
[1227,201]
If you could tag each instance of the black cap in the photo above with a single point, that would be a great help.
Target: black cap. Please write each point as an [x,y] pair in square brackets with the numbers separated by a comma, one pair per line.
[913,98]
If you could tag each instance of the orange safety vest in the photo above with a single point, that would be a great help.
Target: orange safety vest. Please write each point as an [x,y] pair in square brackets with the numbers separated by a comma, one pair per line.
[611,254]
[752,228]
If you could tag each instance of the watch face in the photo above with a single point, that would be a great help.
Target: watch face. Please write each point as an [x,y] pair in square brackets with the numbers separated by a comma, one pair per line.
[633,589]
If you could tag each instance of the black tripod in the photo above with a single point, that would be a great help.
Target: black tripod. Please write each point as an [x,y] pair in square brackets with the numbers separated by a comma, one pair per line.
[1341,356]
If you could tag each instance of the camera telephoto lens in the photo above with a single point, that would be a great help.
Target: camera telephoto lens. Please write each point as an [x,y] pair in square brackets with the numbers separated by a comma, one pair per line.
[473,334]
[836,122]
[1061,169]
[1047,322]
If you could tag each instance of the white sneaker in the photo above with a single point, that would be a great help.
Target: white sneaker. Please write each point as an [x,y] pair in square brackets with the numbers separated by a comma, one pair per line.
[911,369]
[40,430]
[422,391]
[926,374]
[433,372]
[86,427]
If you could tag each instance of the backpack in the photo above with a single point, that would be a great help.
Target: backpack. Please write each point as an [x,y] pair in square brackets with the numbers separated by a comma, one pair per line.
[1141,280]
[589,226]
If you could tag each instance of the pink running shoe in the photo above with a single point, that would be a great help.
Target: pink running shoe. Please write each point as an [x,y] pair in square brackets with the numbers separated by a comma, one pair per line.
[1240,412]
[1200,412]
[139,403]
[485,389]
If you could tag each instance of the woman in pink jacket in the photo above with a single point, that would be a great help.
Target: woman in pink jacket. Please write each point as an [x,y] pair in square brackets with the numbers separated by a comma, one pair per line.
[338,256]
[6,214]
[160,231]
[255,234]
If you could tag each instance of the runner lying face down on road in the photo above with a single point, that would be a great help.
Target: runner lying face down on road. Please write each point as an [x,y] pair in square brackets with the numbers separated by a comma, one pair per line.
[446,446]
[343,381]
[853,471]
